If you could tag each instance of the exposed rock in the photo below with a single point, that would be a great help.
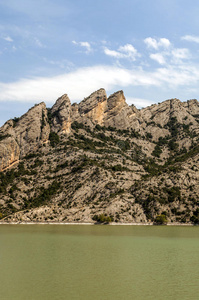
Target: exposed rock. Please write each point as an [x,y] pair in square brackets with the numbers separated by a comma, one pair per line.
[32,129]
[61,114]
[9,152]
[94,106]
[27,132]
[118,114]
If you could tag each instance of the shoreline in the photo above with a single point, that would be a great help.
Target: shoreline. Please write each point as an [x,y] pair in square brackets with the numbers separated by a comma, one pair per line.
[89,223]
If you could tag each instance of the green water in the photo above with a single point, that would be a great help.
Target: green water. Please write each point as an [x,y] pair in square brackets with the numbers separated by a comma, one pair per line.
[98,262]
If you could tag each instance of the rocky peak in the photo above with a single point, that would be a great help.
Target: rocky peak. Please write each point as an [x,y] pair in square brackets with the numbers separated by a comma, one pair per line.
[23,134]
[32,128]
[116,102]
[92,101]
[62,103]
[118,113]
[94,106]
[61,114]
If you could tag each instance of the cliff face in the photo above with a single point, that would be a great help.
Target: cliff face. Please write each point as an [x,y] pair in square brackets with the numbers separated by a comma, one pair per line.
[9,153]
[61,115]
[101,156]
[94,107]
[23,135]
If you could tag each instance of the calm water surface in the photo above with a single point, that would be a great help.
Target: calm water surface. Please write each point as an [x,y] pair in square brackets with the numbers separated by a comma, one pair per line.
[98,262]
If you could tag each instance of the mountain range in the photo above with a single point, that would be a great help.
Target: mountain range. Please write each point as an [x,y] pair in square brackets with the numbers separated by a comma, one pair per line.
[101,161]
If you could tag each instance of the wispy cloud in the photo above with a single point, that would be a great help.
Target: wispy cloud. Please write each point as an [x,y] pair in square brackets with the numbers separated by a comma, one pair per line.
[8,39]
[180,54]
[190,38]
[83,81]
[157,43]
[127,51]
[85,45]
[63,64]
[39,43]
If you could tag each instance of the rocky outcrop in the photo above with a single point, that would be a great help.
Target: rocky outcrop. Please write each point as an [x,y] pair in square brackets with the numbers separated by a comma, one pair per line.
[9,152]
[25,134]
[32,129]
[94,107]
[119,114]
[61,115]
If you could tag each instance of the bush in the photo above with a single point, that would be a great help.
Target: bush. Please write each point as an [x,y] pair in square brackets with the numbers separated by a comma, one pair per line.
[102,218]
[161,220]
[157,151]
[117,168]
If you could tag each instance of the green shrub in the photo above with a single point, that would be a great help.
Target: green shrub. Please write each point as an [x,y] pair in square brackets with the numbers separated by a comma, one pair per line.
[161,220]
[102,218]
[15,121]
[157,151]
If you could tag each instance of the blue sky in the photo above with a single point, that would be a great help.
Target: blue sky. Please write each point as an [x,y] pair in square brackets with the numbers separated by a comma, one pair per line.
[148,48]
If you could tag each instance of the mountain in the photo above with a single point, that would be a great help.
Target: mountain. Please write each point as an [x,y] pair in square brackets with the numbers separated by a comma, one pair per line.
[101,160]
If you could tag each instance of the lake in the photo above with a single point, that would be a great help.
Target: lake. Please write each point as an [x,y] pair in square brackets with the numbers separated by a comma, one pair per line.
[98,262]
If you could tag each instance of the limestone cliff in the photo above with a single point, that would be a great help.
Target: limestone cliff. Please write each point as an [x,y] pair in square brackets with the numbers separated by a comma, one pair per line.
[61,115]
[26,134]
[9,152]
[94,107]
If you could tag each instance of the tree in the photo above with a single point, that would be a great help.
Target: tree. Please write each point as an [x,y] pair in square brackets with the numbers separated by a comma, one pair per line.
[54,139]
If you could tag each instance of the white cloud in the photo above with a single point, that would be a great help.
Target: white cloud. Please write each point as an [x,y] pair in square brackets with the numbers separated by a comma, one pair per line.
[80,83]
[169,54]
[159,57]
[85,45]
[190,38]
[113,53]
[179,54]
[151,43]
[8,39]
[164,43]
[157,43]
[126,51]
[77,84]
[175,76]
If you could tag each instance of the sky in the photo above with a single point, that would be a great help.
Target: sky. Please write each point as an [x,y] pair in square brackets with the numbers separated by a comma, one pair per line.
[147,48]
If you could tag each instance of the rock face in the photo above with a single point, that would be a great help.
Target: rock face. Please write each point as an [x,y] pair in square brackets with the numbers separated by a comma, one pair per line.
[118,114]
[61,115]
[26,135]
[94,107]
[9,153]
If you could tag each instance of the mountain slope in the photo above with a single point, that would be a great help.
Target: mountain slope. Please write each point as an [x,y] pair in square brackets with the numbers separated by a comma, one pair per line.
[101,160]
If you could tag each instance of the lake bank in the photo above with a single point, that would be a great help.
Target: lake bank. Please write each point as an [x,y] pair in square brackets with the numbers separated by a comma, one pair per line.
[89,223]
